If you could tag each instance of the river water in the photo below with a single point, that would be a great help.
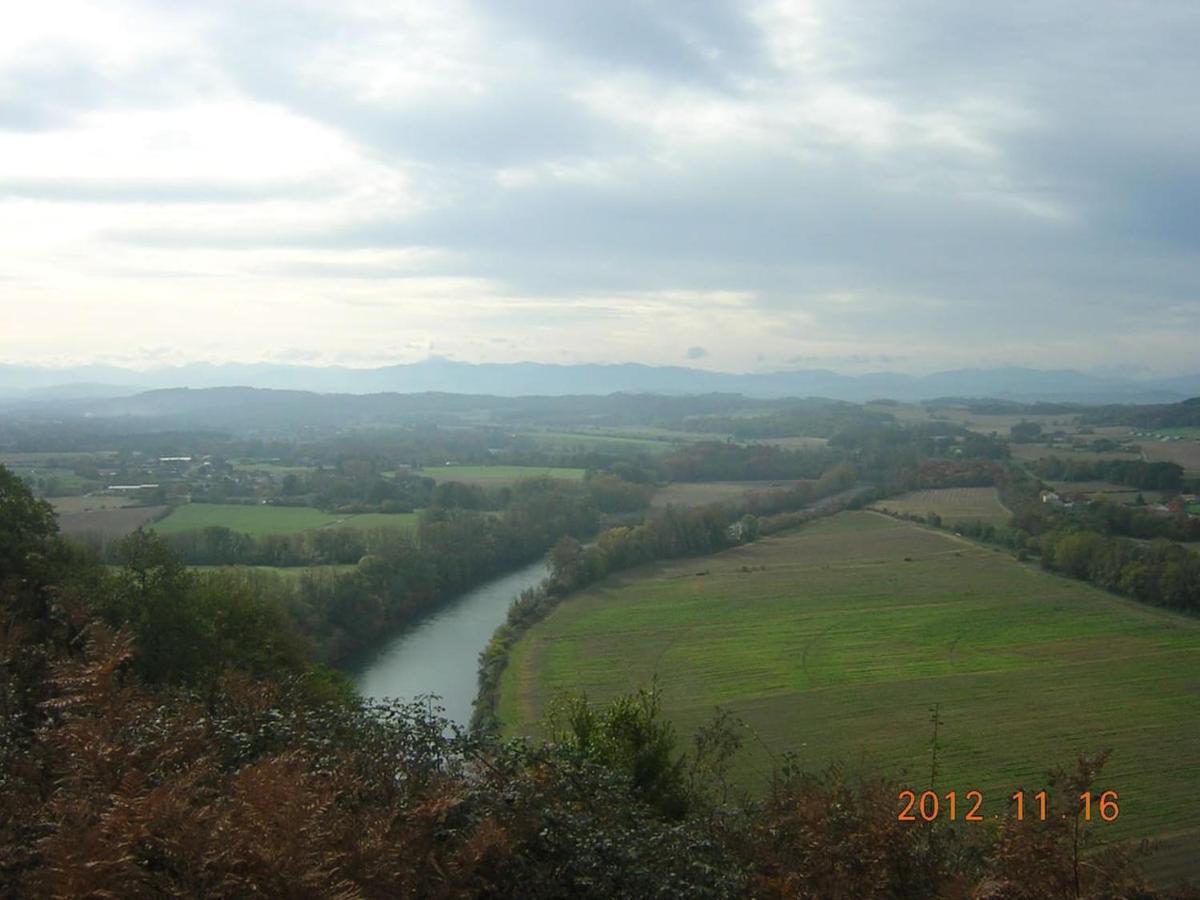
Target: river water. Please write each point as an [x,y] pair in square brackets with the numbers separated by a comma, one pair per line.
[439,654]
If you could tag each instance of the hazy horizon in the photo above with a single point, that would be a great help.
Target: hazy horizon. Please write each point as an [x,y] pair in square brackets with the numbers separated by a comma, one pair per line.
[698,365]
[735,187]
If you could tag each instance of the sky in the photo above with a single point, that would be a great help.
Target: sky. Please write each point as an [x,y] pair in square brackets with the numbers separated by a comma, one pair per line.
[738,186]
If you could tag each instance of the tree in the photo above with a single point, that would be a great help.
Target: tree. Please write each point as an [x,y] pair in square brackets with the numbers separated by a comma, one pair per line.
[26,524]
[1025,432]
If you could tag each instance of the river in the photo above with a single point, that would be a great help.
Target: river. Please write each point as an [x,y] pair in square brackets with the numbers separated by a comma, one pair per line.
[439,654]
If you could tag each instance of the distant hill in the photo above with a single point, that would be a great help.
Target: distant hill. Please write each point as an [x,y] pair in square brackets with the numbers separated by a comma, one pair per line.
[23,385]
[1173,415]
[258,409]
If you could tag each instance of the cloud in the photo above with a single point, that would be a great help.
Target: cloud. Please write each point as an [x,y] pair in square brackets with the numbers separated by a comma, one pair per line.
[784,179]
[695,353]
[157,191]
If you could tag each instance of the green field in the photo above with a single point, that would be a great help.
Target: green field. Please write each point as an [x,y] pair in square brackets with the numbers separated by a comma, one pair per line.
[262,520]
[954,505]
[699,493]
[272,468]
[493,476]
[599,441]
[51,457]
[835,640]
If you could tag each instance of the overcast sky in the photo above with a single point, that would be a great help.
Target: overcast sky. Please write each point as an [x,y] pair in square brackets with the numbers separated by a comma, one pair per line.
[742,186]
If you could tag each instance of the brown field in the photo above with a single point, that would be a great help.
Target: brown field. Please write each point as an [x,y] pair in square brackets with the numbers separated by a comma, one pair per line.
[1115,432]
[954,505]
[1185,453]
[110,523]
[698,493]
[65,506]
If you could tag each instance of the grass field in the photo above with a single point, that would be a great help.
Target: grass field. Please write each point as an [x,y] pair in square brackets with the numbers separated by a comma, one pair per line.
[697,493]
[1002,424]
[653,433]
[834,642]
[65,478]
[493,476]
[52,457]
[954,505]
[795,443]
[261,520]
[599,441]
[272,468]
[1185,453]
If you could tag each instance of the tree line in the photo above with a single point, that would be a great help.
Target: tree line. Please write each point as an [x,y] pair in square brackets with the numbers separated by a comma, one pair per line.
[1081,543]
[1151,476]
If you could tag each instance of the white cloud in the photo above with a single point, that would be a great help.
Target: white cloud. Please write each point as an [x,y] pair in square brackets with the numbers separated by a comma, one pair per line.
[549,179]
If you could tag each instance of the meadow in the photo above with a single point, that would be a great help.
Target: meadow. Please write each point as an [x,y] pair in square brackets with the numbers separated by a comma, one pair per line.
[494,476]
[259,520]
[697,493]
[954,505]
[1002,423]
[834,641]
[271,468]
[795,443]
[53,457]
[600,441]
[1185,453]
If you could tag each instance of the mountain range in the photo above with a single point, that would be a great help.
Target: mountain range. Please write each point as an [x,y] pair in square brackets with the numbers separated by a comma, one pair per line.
[24,386]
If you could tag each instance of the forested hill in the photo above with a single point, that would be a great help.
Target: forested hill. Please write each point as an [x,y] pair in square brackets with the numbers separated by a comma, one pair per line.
[1164,415]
